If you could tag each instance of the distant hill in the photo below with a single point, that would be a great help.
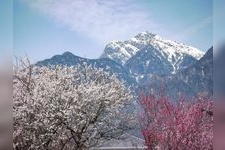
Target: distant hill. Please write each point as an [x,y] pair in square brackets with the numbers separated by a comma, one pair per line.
[108,65]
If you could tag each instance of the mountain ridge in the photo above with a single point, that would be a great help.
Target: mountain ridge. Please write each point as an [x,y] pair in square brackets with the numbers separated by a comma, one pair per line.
[69,59]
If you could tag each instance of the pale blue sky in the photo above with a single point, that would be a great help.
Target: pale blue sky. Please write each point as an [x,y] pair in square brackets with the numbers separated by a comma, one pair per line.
[43,28]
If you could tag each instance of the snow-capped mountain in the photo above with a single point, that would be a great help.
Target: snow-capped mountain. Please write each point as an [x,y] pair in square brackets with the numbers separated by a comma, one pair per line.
[149,61]
[175,55]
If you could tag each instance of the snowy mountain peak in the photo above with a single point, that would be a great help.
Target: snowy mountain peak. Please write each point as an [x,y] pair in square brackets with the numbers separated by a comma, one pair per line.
[145,35]
[174,52]
[143,38]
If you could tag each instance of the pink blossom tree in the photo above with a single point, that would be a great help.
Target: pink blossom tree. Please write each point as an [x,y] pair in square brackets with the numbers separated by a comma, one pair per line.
[182,125]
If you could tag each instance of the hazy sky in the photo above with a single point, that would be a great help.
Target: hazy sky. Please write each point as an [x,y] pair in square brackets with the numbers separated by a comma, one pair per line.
[43,28]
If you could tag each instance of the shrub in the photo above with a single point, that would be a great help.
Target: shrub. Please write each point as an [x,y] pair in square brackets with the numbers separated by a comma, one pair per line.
[177,125]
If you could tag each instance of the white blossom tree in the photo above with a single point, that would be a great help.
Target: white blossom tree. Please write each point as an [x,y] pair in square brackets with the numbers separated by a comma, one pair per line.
[67,107]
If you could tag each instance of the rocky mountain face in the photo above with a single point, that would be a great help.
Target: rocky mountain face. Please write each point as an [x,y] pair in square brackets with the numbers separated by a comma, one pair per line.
[147,60]
[197,78]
